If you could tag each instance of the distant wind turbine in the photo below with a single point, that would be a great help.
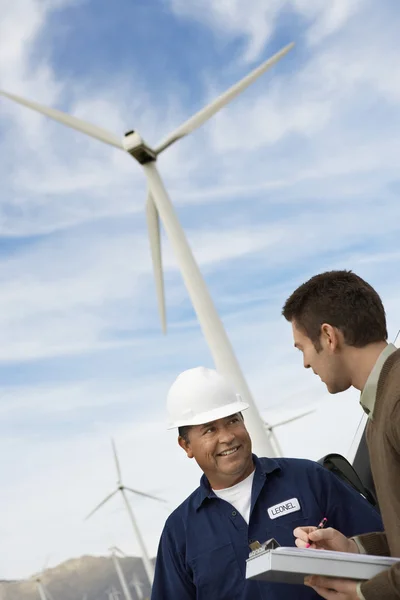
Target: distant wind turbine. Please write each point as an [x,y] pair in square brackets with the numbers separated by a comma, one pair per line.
[138,586]
[120,573]
[113,594]
[148,565]
[44,594]
[159,207]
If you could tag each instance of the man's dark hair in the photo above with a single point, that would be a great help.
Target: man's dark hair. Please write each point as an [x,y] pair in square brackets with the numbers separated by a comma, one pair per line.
[183,431]
[341,299]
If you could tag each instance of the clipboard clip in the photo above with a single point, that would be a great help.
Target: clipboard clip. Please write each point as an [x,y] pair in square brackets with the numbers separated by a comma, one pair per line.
[257,548]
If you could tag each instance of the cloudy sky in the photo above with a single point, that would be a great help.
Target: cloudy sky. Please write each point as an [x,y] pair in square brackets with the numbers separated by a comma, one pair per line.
[298,175]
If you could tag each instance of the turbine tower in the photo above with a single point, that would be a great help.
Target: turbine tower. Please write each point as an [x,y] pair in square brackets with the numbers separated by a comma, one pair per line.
[159,207]
[148,565]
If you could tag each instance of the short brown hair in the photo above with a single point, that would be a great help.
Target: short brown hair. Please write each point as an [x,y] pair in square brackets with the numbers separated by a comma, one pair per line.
[341,299]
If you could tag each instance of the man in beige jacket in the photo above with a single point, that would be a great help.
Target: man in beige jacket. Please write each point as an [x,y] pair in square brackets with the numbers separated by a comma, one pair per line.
[339,326]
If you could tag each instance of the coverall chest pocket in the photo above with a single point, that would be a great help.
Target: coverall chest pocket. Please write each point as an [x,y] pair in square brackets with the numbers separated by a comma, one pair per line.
[217,574]
[282,528]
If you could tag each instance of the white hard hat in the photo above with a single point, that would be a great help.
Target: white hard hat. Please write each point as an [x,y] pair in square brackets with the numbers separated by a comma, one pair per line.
[201,395]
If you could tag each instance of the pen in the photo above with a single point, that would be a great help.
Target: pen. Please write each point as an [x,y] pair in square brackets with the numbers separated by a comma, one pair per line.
[320,526]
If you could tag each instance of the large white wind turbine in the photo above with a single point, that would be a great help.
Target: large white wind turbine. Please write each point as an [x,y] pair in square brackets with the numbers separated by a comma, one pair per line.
[148,565]
[159,207]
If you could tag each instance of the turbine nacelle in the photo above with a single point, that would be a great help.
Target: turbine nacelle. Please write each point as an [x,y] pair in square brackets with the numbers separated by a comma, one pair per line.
[135,145]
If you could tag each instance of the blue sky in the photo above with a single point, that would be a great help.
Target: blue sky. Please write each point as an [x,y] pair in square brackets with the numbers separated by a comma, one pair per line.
[298,175]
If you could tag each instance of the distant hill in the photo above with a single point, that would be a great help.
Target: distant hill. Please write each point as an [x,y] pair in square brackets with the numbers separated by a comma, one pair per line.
[85,578]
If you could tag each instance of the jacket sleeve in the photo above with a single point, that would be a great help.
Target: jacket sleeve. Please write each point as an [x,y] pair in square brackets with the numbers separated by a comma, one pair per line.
[345,508]
[385,585]
[374,543]
[171,580]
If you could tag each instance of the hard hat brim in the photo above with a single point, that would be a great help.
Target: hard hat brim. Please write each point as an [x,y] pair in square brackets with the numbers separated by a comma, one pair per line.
[211,415]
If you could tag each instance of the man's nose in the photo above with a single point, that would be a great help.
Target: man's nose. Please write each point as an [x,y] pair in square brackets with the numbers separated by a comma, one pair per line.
[306,364]
[226,436]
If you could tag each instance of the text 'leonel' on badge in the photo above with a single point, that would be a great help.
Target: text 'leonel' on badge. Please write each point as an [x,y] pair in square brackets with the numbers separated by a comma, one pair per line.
[284,508]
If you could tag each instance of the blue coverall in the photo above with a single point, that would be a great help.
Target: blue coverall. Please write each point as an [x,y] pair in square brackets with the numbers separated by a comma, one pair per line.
[205,542]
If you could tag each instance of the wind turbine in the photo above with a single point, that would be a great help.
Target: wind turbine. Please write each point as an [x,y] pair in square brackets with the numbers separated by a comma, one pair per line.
[158,207]
[148,565]
[120,573]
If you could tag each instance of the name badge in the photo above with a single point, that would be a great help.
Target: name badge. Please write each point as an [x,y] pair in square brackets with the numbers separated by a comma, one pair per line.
[284,508]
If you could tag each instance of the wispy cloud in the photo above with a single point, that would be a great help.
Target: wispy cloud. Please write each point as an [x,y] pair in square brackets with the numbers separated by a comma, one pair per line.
[257,21]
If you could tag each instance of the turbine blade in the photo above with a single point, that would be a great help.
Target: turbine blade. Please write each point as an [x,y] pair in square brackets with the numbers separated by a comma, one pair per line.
[153,226]
[290,419]
[144,494]
[92,130]
[101,504]
[208,111]
[117,465]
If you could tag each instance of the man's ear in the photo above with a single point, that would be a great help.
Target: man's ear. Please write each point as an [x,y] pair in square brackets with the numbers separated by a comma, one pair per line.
[330,337]
[186,446]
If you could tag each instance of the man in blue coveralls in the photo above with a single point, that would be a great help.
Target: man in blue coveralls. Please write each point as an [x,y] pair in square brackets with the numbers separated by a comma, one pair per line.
[241,498]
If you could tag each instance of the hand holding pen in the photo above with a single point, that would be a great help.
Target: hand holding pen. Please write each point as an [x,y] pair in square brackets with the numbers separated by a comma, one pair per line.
[323,539]
[320,526]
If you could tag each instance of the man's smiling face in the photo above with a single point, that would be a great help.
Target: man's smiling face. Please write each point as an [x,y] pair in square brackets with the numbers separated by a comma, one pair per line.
[222,449]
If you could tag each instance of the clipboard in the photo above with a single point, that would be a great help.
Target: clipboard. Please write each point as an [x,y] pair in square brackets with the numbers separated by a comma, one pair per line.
[291,564]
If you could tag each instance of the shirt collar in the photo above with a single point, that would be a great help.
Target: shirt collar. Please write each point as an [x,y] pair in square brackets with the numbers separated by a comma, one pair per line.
[368,395]
[262,468]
